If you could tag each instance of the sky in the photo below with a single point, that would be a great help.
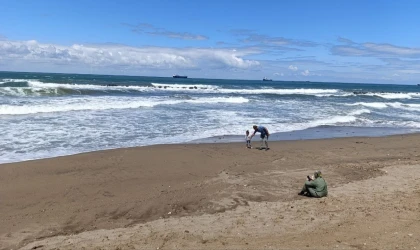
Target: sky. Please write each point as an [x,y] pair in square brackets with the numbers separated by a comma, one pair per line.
[374,41]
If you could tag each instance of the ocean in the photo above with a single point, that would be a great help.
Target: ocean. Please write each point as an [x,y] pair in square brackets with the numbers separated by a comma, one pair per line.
[44,115]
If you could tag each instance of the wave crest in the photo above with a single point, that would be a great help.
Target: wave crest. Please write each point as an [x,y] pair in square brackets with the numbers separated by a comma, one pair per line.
[105,103]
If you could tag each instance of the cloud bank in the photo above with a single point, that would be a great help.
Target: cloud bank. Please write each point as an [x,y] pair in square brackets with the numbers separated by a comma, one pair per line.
[114,55]
[348,60]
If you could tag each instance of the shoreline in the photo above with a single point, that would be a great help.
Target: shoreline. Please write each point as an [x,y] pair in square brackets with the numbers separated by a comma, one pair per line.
[219,193]
[315,133]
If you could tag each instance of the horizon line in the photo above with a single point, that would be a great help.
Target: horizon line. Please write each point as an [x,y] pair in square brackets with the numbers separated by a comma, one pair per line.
[237,79]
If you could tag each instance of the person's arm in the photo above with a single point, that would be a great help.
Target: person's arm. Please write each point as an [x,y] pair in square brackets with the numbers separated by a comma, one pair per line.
[255,131]
[313,183]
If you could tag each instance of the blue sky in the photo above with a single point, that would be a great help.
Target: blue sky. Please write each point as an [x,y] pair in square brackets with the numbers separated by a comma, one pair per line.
[350,41]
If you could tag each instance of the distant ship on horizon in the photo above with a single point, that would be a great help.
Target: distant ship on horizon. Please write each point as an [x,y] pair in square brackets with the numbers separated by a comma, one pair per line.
[266,79]
[178,76]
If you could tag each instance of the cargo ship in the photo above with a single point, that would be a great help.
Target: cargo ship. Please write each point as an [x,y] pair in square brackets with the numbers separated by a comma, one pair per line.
[266,79]
[178,76]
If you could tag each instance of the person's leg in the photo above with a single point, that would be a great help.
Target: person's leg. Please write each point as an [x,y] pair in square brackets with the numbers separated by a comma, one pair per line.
[266,142]
[263,136]
[312,192]
[303,191]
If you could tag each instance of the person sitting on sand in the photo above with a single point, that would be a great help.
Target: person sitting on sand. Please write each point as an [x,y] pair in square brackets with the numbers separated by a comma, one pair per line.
[315,186]
[248,139]
[264,135]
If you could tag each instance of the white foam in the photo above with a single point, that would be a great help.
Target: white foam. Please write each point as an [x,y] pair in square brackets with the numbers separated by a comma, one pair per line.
[339,94]
[183,86]
[239,122]
[42,85]
[383,105]
[15,80]
[411,124]
[66,125]
[377,105]
[247,91]
[175,87]
[215,89]
[359,112]
[394,95]
[196,88]
[201,88]
[409,106]
[218,100]
[69,132]
[335,120]
[275,127]
[38,87]
[3,81]
[278,91]
[105,103]
[14,91]
[343,120]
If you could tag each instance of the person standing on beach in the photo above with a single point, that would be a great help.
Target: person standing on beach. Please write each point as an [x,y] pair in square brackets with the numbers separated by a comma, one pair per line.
[264,135]
[248,139]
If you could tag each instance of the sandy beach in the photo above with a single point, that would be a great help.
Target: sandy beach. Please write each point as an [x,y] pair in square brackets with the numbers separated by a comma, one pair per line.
[217,196]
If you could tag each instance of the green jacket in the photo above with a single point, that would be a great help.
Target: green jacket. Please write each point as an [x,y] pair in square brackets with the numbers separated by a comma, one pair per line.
[319,185]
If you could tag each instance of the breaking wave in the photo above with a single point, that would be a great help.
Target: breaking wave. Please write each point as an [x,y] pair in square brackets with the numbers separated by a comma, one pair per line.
[106,103]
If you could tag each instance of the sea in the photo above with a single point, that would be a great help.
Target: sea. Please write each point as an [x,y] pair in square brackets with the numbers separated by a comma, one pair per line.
[44,115]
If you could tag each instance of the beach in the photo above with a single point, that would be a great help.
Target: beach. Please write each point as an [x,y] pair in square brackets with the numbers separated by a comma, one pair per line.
[217,196]
[209,125]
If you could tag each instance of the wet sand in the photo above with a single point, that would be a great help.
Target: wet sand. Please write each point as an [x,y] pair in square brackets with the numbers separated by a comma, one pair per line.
[221,196]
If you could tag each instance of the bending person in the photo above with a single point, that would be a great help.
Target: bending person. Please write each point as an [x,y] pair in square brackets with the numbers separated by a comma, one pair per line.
[264,135]
[315,186]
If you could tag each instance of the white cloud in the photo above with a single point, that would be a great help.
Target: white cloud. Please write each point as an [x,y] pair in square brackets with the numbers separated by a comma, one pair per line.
[251,36]
[373,49]
[305,73]
[392,49]
[395,75]
[410,71]
[293,68]
[348,51]
[114,55]
[345,40]
[278,74]
[146,28]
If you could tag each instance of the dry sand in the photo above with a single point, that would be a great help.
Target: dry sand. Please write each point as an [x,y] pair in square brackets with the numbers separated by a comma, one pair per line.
[217,196]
